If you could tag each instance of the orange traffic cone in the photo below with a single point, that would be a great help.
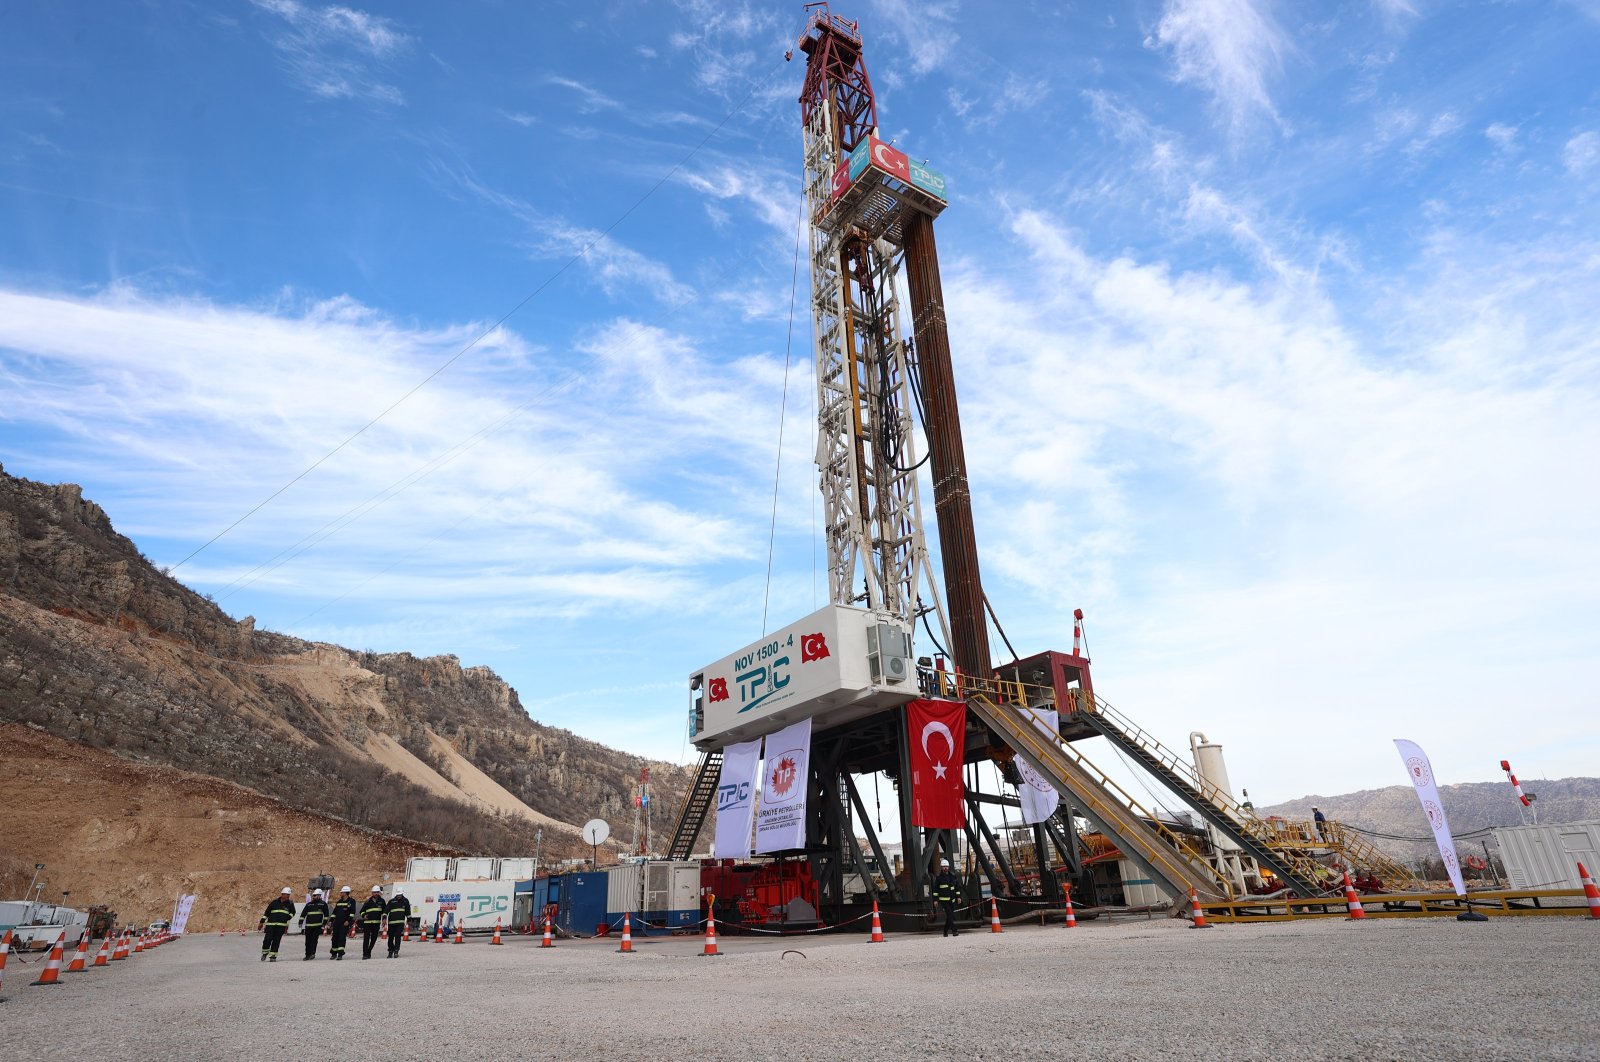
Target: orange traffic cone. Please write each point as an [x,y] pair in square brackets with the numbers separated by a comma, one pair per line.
[877,926]
[1199,915]
[405,933]
[103,956]
[5,949]
[497,939]
[994,915]
[52,969]
[120,951]
[1072,918]
[627,935]
[1591,893]
[80,958]
[241,932]
[549,939]
[1352,901]
[458,939]
[711,934]
[438,933]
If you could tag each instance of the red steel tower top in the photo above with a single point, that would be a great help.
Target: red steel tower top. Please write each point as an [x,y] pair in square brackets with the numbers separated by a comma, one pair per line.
[836,74]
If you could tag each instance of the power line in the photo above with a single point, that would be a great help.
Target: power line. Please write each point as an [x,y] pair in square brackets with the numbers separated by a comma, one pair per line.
[783,406]
[458,355]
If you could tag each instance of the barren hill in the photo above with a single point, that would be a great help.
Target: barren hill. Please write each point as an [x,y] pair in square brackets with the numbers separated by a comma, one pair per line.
[99,647]
[1395,817]
[134,836]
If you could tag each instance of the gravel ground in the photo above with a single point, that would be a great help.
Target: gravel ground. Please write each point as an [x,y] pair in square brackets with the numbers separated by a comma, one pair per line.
[1511,988]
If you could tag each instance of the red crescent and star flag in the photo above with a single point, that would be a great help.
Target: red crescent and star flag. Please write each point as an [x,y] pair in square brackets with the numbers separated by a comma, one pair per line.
[937,730]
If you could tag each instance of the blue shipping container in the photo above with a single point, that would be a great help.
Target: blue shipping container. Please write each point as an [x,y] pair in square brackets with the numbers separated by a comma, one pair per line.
[582,902]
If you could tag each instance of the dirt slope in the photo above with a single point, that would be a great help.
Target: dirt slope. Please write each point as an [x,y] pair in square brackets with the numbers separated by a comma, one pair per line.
[133,836]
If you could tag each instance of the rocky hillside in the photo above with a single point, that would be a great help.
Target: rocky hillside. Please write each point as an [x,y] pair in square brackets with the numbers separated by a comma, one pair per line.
[99,647]
[135,836]
[1393,814]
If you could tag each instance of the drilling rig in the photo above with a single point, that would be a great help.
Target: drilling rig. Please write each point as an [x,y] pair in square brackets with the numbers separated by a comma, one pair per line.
[881,369]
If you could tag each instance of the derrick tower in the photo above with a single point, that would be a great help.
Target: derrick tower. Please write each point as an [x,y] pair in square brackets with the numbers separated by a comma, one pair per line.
[871,210]
[846,673]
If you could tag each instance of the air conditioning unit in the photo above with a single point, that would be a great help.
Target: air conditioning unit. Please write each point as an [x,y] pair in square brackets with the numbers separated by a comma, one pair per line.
[889,653]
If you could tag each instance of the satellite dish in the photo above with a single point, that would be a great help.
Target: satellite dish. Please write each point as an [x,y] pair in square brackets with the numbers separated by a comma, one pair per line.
[595,831]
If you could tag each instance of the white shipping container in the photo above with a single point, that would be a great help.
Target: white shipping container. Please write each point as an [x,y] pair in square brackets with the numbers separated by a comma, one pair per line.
[427,868]
[1547,857]
[473,904]
[520,869]
[477,868]
[836,665]
[625,888]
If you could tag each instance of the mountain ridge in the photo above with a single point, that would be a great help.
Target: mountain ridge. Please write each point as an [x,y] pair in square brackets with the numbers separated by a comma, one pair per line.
[99,646]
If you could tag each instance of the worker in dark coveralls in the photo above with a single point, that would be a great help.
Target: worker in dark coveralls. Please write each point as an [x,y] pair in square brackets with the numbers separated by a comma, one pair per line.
[343,916]
[275,922]
[313,916]
[945,890]
[399,911]
[371,918]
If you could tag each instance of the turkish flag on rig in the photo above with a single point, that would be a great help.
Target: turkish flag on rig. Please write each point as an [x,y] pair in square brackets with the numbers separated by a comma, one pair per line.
[937,732]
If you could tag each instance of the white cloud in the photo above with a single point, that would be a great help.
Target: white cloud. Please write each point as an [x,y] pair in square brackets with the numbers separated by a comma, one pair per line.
[1232,49]
[1503,136]
[1245,483]
[923,28]
[336,52]
[520,476]
[590,100]
[1581,153]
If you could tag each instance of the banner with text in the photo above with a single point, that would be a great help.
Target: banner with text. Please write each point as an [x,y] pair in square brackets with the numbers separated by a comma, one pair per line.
[736,798]
[180,914]
[937,731]
[1421,772]
[1039,798]
[785,777]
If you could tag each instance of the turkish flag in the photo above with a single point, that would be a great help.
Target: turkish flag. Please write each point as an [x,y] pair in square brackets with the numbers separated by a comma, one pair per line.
[937,732]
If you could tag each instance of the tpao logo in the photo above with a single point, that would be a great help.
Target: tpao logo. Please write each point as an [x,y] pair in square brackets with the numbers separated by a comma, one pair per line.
[733,795]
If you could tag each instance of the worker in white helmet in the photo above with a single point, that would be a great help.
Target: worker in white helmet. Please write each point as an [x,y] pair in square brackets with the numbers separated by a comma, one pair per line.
[344,916]
[313,917]
[275,921]
[371,919]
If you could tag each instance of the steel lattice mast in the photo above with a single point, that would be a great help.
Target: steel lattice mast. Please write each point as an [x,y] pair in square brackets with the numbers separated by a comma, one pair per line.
[871,213]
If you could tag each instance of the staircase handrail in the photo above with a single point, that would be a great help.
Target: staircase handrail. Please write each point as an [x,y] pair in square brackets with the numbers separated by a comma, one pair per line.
[1034,736]
[1247,821]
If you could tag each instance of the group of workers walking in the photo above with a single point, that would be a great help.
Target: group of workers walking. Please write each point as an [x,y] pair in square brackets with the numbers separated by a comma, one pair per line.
[340,919]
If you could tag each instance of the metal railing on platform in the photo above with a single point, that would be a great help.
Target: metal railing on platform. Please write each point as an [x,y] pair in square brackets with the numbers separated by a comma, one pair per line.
[1399,905]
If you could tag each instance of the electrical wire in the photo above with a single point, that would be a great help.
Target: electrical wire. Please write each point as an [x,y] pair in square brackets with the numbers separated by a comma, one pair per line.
[783,406]
[501,320]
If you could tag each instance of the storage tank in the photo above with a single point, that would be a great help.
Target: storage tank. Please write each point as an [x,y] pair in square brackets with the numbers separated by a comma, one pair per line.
[476,868]
[1208,762]
[427,868]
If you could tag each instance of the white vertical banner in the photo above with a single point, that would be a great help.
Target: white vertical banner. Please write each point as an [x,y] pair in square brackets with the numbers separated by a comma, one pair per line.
[181,914]
[785,777]
[1421,772]
[736,798]
[1039,798]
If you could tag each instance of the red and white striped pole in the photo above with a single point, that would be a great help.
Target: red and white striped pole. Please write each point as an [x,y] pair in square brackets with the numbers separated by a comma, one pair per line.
[1505,765]
[1077,632]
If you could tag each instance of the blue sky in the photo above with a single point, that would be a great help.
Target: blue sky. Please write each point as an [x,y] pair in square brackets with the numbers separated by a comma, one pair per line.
[1275,328]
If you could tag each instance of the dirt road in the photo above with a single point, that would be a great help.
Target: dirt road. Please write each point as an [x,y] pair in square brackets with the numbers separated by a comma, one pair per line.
[1510,988]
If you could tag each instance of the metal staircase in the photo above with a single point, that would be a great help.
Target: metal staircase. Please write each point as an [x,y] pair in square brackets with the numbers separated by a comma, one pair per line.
[1214,805]
[1156,850]
[696,804]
